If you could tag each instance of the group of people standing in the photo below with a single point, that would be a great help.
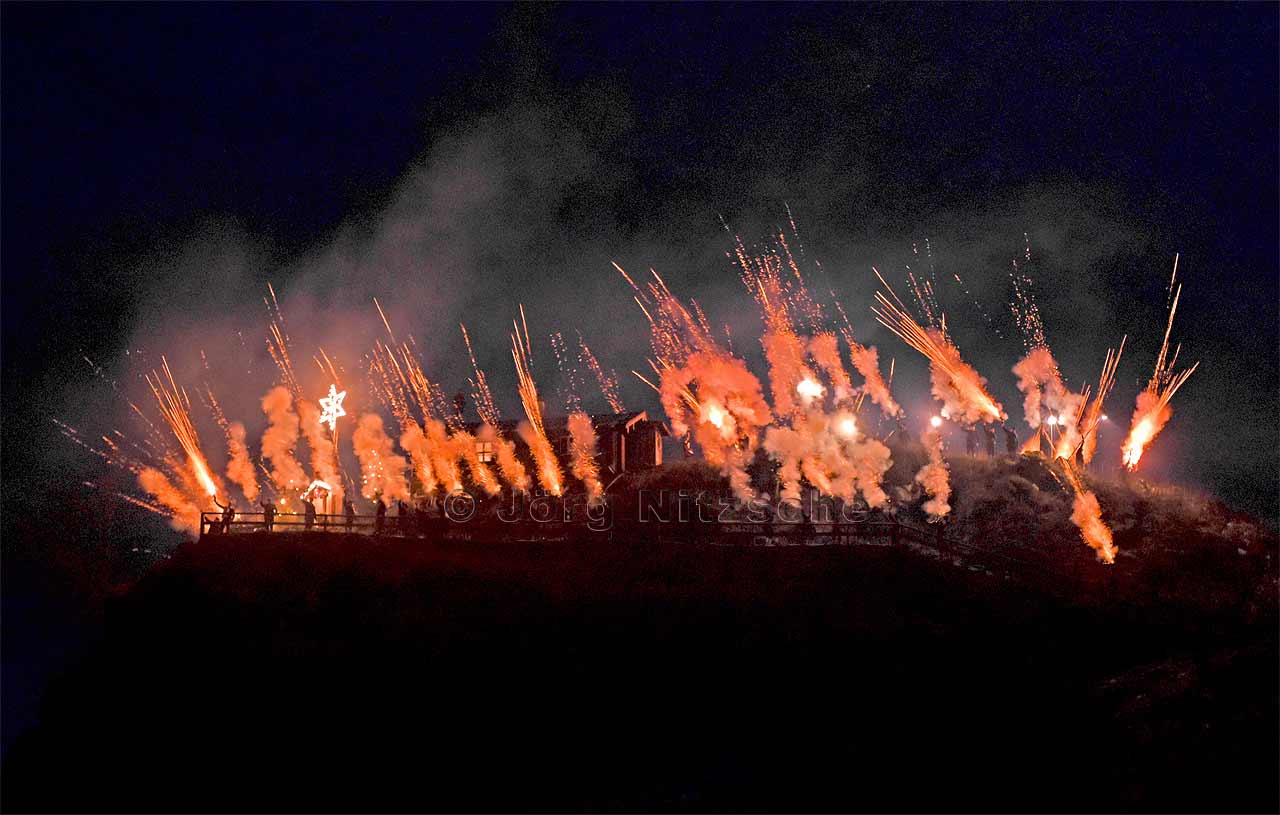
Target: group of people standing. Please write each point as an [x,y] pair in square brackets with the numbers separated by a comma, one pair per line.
[406,521]
[984,437]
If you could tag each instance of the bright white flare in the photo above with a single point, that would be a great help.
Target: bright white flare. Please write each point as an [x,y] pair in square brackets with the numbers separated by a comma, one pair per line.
[810,389]
[331,407]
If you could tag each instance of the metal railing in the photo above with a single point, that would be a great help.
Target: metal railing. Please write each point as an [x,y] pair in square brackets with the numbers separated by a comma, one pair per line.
[889,532]
[212,523]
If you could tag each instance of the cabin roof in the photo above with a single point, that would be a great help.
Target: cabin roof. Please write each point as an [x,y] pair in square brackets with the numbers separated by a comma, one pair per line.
[558,425]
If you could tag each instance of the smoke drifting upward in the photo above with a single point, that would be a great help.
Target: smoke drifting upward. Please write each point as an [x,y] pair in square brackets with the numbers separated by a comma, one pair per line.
[279,441]
[324,461]
[829,453]
[185,515]
[582,448]
[1041,382]
[240,469]
[444,459]
[866,361]
[935,477]
[512,469]
[414,442]
[464,447]
[714,398]
[381,469]
[825,350]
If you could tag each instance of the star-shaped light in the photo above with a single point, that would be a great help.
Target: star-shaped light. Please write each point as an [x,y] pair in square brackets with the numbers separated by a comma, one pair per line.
[331,407]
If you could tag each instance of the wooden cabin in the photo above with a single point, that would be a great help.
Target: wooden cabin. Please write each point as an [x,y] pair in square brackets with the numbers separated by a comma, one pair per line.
[625,442]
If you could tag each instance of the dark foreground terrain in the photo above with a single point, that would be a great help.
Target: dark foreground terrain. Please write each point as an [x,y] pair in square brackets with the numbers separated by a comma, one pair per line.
[250,673]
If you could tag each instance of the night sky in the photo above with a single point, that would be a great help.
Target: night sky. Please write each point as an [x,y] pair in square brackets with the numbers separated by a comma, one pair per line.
[161,163]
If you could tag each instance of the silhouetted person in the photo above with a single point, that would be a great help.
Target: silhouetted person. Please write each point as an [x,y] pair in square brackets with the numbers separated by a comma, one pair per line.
[1010,440]
[309,514]
[402,517]
[349,509]
[380,517]
[228,515]
[268,515]
[971,441]
[989,432]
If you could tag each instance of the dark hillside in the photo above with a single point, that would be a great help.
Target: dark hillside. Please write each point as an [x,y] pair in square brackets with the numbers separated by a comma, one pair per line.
[341,674]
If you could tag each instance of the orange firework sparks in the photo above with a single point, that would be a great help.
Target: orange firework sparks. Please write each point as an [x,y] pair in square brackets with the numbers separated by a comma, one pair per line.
[176,409]
[1153,411]
[278,345]
[1092,416]
[480,393]
[1086,514]
[533,431]
[960,388]
[607,380]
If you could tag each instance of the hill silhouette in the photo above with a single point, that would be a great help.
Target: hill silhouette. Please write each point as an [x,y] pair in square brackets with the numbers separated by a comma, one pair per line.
[326,672]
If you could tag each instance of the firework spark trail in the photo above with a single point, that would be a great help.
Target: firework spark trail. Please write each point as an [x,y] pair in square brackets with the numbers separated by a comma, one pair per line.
[675,333]
[582,451]
[464,448]
[1152,411]
[568,373]
[935,477]
[185,514]
[787,310]
[1086,514]
[532,431]
[1092,415]
[381,469]
[725,416]
[1026,314]
[279,441]
[607,380]
[866,361]
[328,367]
[394,385]
[504,452]
[480,393]
[510,467]
[240,469]
[176,409]
[278,346]
[960,388]
[825,350]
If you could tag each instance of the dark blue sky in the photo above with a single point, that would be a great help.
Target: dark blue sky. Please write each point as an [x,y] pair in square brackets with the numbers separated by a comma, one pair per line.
[129,129]
[161,163]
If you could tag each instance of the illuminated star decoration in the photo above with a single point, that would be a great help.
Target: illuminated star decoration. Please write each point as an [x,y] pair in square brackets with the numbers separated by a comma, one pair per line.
[331,407]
